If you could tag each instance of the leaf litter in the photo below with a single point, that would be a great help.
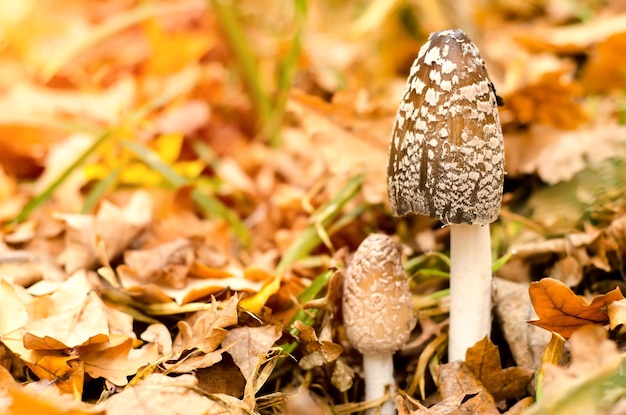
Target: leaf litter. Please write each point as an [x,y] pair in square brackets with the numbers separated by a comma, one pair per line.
[182,185]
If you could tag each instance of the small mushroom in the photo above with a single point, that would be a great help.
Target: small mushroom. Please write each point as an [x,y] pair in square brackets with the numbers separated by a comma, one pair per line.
[446,161]
[377,312]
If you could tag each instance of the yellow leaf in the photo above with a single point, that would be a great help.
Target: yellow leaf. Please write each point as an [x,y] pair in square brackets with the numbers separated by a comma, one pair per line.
[168,147]
[172,52]
[189,169]
[67,373]
[258,300]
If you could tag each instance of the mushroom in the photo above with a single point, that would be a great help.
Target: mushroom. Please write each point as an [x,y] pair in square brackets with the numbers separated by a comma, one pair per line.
[446,161]
[377,312]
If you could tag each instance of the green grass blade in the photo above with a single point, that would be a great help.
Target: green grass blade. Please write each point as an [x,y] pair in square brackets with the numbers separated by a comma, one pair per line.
[152,159]
[100,189]
[307,316]
[310,237]
[47,193]
[286,74]
[210,205]
[225,12]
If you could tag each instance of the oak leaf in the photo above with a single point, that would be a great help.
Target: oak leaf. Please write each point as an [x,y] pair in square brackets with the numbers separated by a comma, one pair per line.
[563,312]
[484,361]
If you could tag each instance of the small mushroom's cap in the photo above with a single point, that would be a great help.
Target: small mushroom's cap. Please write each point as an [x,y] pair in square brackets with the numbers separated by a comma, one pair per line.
[446,156]
[377,309]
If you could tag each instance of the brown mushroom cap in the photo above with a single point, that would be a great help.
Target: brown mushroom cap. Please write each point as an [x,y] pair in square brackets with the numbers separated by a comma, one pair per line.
[446,157]
[377,311]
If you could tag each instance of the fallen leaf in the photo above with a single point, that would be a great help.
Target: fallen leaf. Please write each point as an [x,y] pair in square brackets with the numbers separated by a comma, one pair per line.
[461,393]
[66,372]
[169,262]
[317,352]
[72,316]
[551,100]
[249,348]
[38,398]
[582,387]
[562,311]
[483,359]
[205,330]
[118,362]
[255,303]
[116,227]
[159,394]
[603,71]
[200,335]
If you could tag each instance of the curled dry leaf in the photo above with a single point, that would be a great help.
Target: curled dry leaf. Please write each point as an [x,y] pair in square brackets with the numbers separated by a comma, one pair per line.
[483,359]
[203,332]
[562,311]
[115,227]
[317,352]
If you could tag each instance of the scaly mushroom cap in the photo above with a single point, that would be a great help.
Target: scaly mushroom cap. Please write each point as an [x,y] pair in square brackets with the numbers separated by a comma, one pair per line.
[377,310]
[446,157]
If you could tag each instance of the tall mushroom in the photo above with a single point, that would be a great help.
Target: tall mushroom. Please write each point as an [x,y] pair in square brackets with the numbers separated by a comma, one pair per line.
[446,161]
[377,312]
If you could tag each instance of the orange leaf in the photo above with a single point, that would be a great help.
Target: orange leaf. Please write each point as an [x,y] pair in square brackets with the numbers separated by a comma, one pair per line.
[562,311]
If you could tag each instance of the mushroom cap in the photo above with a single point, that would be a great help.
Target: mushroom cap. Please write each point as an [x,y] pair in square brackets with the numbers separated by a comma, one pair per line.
[446,156]
[377,310]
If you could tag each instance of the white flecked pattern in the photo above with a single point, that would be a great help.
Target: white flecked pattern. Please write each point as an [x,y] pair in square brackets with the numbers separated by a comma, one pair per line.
[446,156]
[377,309]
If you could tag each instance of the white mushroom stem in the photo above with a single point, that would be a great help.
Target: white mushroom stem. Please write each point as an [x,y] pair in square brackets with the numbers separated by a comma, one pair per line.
[470,287]
[378,372]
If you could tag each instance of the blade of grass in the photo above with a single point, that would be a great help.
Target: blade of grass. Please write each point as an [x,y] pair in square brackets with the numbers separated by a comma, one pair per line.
[286,74]
[310,237]
[307,316]
[210,205]
[47,193]
[100,189]
[225,12]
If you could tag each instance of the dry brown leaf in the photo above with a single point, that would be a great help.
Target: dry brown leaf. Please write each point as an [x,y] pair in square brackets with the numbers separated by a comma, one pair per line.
[72,316]
[249,348]
[115,227]
[551,100]
[575,38]
[317,352]
[461,393]
[198,339]
[562,311]
[205,330]
[13,316]
[115,362]
[169,262]
[604,71]
[557,155]
[159,394]
[483,359]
